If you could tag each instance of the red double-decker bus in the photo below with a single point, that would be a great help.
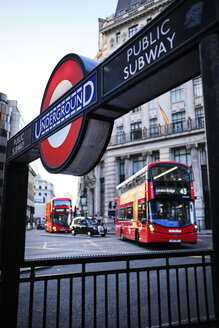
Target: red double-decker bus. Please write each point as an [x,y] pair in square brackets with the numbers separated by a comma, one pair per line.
[156,205]
[58,215]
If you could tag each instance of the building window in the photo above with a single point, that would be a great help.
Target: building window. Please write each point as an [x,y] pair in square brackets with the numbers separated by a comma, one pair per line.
[153,127]
[178,120]
[135,5]
[136,132]
[203,156]
[152,104]
[2,149]
[199,117]
[40,187]
[182,155]
[138,163]
[197,87]
[133,30]
[119,134]
[121,12]
[156,156]
[121,170]
[177,94]
[136,110]
[102,174]
[118,37]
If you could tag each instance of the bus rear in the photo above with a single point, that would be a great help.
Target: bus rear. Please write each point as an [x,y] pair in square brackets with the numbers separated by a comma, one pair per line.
[58,215]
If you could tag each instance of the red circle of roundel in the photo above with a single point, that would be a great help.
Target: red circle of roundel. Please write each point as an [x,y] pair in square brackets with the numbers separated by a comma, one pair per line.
[68,72]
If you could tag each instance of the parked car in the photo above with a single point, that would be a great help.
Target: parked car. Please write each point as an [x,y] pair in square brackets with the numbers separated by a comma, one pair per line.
[41,223]
[90,226]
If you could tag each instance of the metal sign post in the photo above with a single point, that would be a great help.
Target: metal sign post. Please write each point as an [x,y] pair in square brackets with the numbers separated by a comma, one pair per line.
[13,234]
[209,59]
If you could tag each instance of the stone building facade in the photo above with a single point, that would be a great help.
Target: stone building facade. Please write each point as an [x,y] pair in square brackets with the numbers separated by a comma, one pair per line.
[170,127]
[11,121]
[43,192]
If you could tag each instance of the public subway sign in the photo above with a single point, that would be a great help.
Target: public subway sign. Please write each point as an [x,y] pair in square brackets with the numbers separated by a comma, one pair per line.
[20,142]
[72,105]
[160,39]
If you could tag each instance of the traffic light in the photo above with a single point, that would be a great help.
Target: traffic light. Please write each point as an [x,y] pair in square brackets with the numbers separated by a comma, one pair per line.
[112,205]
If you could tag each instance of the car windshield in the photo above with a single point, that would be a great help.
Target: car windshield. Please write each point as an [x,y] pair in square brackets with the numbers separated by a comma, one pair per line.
[92,221]
[171,213]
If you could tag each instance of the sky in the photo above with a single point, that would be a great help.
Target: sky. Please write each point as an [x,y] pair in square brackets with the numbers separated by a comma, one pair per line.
[35,35]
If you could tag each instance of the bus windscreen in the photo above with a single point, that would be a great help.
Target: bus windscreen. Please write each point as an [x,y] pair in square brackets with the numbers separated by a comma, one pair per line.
[178,213]
[62,202]
[170,173]
[62,220]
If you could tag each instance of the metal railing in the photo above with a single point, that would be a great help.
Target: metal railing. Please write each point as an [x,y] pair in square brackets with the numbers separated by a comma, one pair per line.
[151,289]
[157,131]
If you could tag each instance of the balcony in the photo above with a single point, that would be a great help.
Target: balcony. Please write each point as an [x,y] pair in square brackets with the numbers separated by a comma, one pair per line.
[159,131]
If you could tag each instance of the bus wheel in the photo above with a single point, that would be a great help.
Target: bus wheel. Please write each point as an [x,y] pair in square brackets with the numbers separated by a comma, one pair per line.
[121,235]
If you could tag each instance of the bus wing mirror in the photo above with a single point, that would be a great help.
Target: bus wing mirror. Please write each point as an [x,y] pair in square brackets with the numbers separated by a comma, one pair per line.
[143,221]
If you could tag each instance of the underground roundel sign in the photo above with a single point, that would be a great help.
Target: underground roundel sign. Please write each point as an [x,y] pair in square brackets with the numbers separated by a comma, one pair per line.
[77,147]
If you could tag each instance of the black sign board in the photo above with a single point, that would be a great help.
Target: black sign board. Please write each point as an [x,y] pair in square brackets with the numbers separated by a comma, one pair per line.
[20,142]
[162,37]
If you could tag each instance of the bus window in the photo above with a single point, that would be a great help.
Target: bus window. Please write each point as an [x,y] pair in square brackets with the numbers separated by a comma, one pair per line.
[141,211]
[120,214]
[129,185]
[129,213]
[142,178]
[138,181]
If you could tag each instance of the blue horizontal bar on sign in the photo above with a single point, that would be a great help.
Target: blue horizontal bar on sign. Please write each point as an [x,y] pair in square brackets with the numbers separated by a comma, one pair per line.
[67,108]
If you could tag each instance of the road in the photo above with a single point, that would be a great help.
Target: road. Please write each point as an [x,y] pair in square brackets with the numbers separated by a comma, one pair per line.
[41,244]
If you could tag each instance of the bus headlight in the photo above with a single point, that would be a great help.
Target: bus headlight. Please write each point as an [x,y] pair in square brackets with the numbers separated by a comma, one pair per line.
[151,227]
[54,228]
[195,228]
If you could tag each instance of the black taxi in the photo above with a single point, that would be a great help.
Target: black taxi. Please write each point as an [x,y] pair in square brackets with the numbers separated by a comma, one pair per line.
[89,226]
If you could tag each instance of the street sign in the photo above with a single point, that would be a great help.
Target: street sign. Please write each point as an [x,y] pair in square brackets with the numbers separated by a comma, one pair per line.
[163,36]
[56,150]
[66,109]
[20,142]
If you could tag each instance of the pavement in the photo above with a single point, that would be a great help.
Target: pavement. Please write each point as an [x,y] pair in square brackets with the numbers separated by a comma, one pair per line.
[205,232]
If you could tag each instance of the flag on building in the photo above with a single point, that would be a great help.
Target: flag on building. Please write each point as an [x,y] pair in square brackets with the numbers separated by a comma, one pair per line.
[163,114]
